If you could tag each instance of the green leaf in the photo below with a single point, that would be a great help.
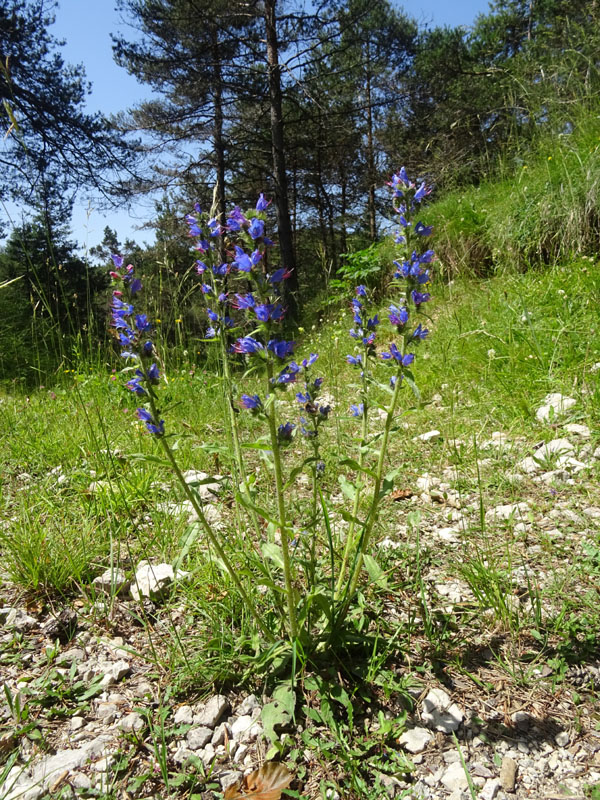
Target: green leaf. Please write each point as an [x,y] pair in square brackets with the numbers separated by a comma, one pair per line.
[353,464]
[297,470]
[244,500]
[376,574]
[348,517]
[273,552]
[257,446]
[150,458]
[279,712]
[408,377]
[189,538]
[349,489]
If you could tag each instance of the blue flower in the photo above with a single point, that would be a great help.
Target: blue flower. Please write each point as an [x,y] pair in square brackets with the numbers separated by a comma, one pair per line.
[135,386]
[310,434]
[251,402]
[281,348]
[308,362]
[213,317]
[397,355]
[355,360]
[141,323]
[256,228]
[361,291]
[243,261]
[117,261]
[279,275]
[398,316]
[324,411]
[420,332]
[206,288]
[262,203]
[156,428]
[284,432]
[200,267]
[423,230]
[420,297]
[246,344]
[153,373]
[303,398]
[357,410]
[243,301]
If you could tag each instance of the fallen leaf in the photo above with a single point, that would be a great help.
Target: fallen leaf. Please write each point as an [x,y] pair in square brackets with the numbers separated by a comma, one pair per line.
[402,494]
[265,783]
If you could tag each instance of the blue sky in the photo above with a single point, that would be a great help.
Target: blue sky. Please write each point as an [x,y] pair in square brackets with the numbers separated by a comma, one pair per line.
[86,27]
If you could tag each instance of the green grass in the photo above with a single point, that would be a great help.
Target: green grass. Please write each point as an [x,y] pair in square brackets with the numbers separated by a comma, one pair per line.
[80,492]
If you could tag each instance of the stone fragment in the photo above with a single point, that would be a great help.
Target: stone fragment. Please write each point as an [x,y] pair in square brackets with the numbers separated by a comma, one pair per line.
[578,430]
[554,447]
[429,436]
[19,620]
[184,716]
[111,582]
[505,512]
[207,486]
[562,738]
[112,671]
[76,723]
[415,740]
[553,405]
[107,712]
[61,627]
[212,711]
[490,789]
[222,732]
[199,737]
[454,778]
[508,774]
[132,723]
[245,729]
[153,580]
[248,705]
[439,712]
[230,778]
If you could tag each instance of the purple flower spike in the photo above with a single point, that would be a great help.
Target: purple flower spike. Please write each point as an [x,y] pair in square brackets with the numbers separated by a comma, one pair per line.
[251,402]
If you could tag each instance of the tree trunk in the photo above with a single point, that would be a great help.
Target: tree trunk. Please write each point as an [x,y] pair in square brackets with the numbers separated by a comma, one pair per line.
[370,151]
[286,243]
[218,142]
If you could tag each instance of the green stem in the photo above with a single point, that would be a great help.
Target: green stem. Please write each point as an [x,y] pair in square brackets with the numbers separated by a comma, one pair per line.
[207,529]
[287,569]
[372,515]
[359,479]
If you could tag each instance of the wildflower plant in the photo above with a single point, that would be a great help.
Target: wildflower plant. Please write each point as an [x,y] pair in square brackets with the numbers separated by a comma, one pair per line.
[245,311]
[412,277]
[134,333]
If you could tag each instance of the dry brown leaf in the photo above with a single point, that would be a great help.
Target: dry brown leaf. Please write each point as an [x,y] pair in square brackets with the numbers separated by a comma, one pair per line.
[402,494]
[265,783]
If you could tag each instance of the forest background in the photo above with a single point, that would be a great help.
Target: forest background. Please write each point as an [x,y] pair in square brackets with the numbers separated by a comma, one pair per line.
[314,106]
